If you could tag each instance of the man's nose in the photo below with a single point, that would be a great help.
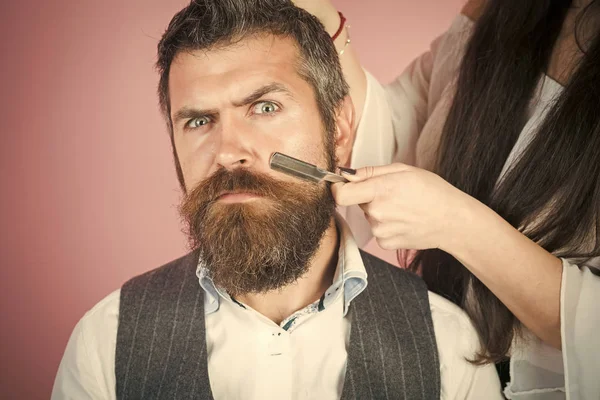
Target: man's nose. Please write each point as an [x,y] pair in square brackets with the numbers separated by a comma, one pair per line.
[236,145]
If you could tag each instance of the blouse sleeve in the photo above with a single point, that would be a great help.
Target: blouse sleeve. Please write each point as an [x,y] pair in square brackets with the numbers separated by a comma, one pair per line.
[393,116]
[539,371]
[580,328]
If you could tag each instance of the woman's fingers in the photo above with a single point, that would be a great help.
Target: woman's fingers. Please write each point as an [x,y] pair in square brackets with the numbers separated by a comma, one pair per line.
[366,173]
[368,184]
[405,206]
[351,193]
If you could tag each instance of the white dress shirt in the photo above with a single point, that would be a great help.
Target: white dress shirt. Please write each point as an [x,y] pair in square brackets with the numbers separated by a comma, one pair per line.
[251,357]
[402,122]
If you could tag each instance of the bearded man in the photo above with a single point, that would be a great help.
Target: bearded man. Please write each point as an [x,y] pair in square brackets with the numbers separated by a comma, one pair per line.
[272,302]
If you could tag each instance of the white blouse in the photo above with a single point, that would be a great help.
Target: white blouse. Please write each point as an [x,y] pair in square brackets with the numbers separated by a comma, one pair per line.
[402,122]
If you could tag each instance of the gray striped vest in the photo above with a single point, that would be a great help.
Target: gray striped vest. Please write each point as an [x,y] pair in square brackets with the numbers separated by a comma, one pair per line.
[161,346]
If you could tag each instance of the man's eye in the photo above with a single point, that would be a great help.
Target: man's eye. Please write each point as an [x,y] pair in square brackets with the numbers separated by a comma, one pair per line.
[198,122]
[265,107]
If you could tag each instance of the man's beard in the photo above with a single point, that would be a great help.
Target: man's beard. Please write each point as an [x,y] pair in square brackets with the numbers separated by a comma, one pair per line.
[261,245]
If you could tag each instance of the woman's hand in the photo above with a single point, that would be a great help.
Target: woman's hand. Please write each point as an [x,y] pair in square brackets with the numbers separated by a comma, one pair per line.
[410,208]
[407,207]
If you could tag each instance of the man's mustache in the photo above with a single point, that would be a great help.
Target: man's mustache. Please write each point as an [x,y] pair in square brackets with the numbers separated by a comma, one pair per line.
[240,180]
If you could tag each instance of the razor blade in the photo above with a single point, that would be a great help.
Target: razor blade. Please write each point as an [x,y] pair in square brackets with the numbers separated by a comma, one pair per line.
[303,170]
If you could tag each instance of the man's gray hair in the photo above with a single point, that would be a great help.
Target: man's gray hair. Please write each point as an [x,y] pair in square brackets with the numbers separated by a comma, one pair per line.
[208,24]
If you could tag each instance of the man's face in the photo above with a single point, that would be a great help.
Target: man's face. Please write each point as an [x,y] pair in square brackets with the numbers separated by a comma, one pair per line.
[235,106]
[231,108]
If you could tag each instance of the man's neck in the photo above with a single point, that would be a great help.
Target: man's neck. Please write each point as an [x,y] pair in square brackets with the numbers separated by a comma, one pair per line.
[280,304]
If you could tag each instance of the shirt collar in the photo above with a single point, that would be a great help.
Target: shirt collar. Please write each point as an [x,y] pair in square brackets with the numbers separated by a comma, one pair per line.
[350,274]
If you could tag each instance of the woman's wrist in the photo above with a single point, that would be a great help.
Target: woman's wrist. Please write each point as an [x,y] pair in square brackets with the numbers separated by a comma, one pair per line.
[464,220]
[331,20]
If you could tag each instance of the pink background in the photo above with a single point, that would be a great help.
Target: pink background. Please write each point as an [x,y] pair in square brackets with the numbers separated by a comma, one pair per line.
[88,187]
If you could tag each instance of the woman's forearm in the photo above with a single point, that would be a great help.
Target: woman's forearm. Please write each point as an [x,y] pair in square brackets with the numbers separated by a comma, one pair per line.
[524,276]
[326,12]
[353,72]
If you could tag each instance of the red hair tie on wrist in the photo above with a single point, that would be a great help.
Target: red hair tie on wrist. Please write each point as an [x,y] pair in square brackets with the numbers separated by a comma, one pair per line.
[341,27]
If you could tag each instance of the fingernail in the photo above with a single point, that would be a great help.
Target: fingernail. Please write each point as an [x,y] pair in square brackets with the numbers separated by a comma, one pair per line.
[349,171]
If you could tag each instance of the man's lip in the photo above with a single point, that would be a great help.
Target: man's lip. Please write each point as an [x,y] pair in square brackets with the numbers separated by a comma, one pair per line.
[237,197]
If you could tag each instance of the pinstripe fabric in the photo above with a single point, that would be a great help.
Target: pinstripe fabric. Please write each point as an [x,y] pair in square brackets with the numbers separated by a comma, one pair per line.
[161,318]
[161,347]
[392,352]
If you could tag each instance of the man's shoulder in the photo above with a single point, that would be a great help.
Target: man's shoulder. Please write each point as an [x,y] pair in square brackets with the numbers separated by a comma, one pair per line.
[378,269]
[86,368]
[453,328]
[106,309]
[95,333]
[457,343]
[454,331]
[448,314]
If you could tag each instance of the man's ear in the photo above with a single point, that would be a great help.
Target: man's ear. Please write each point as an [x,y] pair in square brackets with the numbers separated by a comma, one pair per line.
[345,133]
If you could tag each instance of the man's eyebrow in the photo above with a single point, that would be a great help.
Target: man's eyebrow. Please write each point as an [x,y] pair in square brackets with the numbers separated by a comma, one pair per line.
[185,113]
[273,87]
[190,113]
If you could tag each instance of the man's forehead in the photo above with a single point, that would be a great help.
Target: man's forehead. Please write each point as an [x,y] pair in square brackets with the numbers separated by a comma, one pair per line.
[240,67]
[261,50]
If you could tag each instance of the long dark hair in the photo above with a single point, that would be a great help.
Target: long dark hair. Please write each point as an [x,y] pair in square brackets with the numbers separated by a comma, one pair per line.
[552,192]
